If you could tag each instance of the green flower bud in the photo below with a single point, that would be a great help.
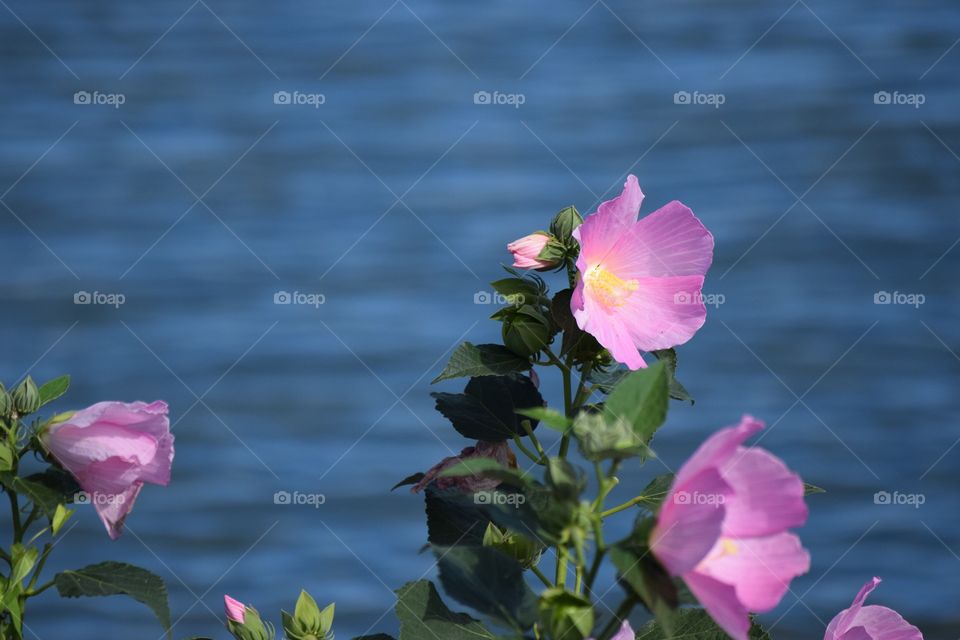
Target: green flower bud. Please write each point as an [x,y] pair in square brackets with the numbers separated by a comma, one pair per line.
[308,622]
[565,222]
[249,626]
[565,616]
[519,547]
[6,403]
[26,397]
[526,331]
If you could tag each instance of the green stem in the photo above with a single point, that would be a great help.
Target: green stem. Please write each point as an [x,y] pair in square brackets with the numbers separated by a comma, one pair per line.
[534,440]
[543,578]
[47,548]
[623,507]
[561,574]
[530,454]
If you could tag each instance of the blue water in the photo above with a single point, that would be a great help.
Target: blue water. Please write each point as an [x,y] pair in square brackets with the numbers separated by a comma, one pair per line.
[334,399]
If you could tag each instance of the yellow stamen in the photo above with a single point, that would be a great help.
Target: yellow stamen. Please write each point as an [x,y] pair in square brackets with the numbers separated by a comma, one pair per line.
[607,288]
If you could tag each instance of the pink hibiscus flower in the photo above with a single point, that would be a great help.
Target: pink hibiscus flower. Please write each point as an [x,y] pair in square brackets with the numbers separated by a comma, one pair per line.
[724,527]
[870,622]
[641,282]
[625,633]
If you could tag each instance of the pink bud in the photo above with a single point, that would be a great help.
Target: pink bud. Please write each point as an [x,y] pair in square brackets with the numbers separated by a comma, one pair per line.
[526,249]
[234,608]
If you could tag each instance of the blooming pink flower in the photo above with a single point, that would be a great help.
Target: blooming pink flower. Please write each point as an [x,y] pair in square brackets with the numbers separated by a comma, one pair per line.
[640,285]
[499,451]
[526,249]
[724,526]
[871,622]
[235,609]
[112,448]
[625,633]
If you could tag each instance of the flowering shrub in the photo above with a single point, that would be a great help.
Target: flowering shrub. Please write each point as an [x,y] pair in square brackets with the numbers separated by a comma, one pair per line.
[520,544]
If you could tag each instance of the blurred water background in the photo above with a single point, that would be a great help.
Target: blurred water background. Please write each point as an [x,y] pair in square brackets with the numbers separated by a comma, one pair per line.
[202,195]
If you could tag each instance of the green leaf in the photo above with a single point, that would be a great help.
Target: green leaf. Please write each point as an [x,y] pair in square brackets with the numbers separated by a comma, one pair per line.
[117,578]
[809,489]
[639,569]
[677,390]
[549,417]
[641,400]
[473,361]
[490,582]
[379,636]
[60,517]
[53,389]
[39,494]
[23,560]
[6,457]
[453,517]
[694,624]
[567,616]
[602,437]
[518,290]
[583,345]
[487,409]
[424,616]
[655,492]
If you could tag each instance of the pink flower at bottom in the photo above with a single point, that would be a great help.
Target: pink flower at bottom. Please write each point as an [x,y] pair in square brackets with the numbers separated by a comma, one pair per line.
[640,284]
[499,451]
[112,449]
[234,609]
[723,528]
[871,622]
[625,633]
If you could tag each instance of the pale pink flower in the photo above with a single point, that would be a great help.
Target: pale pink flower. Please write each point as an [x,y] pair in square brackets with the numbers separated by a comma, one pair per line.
[625,633]
[723,528]
[236,610]
[499,451]
[641,282]
[526,249]
[112,448]
[871,622]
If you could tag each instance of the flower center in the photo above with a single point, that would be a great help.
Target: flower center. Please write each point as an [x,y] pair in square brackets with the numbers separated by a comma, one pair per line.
[607,288]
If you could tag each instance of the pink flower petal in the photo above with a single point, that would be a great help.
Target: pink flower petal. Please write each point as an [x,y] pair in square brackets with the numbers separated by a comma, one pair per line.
[663,312]
[235,610]
[671,241]
[688,527]
[720,601]
[870,622]
[609,329]
[719,447]
[626,207]
[760,569]
[769,497]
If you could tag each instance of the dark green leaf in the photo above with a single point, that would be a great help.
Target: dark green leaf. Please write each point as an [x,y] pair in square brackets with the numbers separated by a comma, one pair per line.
[39,494]
[575,340]
[809,489]
[486,410]
[424,616]
[550,417]
[518,290]
[490,582]
[694,624]
[117,578]
[379,636]
[472,361]
[640,400]
[639,569]
[454,518]
[53,389]
[677,390]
